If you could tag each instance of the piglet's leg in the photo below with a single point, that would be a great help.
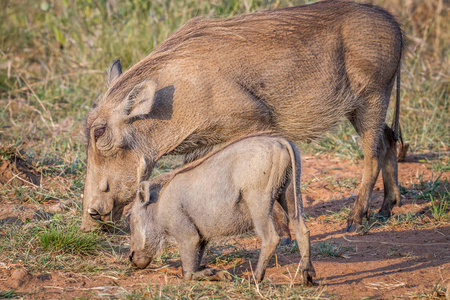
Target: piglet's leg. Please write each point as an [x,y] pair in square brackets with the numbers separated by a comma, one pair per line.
[302,237]
[281,222]
[191,248]
[188,252]
[195,271]
[301,232]
[265,228]
[190,245]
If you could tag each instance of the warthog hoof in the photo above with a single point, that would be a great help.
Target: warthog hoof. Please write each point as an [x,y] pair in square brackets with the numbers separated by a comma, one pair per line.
[355,219]
[350,227]
[307,277]
[382,216]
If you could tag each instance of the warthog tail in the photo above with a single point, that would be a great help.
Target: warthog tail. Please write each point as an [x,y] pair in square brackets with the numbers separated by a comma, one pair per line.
[296,167]
[396,121]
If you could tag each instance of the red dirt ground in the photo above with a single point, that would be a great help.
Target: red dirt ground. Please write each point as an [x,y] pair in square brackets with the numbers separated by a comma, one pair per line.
[406,260]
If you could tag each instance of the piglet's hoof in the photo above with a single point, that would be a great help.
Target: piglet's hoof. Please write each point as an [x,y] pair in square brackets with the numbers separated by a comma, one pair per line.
[209,274]
[206,272]
[225,276]
[212,274]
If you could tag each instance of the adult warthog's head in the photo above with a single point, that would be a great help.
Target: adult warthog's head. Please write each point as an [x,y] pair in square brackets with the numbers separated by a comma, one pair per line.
[117,150]
[146,237]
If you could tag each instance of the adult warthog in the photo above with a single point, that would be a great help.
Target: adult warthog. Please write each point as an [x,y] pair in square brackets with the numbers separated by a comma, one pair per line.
[296,71]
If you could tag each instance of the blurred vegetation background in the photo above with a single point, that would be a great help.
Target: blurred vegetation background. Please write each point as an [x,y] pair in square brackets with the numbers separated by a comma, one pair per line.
[54,57]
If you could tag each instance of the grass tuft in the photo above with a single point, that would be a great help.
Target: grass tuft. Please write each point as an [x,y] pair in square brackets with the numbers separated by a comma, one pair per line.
[341,215]
[329,248]
[170,252]
[8,294]
[440,207]
[68,239]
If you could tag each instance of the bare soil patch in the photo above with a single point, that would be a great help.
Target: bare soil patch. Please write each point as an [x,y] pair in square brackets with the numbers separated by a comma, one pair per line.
[17,172]
[407,256]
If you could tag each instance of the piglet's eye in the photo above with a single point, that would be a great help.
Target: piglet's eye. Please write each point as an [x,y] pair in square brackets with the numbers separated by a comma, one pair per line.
[98,132]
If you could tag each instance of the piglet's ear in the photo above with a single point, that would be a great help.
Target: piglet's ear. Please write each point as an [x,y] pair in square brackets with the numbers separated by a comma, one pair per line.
[143,193]
[114,71]
[140,100]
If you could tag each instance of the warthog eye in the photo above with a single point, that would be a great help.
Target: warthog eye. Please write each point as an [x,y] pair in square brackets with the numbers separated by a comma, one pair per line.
[98,132]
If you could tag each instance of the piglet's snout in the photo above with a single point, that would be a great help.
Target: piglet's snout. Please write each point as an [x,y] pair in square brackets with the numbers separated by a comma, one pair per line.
[139,260]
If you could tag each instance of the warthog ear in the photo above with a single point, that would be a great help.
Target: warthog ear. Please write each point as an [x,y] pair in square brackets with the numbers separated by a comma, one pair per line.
[114,71]
[140,100]
[144,192]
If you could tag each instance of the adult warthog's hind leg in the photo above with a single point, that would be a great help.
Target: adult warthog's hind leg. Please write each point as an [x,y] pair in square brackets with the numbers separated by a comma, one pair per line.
[390,175]
[369,124]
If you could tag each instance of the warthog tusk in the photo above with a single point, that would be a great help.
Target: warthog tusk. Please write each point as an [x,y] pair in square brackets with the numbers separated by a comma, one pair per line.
[92,211]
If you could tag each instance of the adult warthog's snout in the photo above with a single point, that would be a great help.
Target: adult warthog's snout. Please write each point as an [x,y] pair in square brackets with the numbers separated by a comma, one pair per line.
[89,224]
[93,219]
[94,214]
[102,209]
[98,214]
[139,260]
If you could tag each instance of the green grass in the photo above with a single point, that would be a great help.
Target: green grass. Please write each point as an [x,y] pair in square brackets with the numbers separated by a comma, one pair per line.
[341,215]
[8,294]
[238,289]
[427,189]
[225,253]
[67,239]
[168,253]
[329,248]
[56,244]
[409,219]
[430,188]
[343,142]
[440,207]
[440,166]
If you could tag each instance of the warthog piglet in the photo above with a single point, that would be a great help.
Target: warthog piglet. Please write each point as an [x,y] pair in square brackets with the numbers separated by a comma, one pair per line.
[228,192]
